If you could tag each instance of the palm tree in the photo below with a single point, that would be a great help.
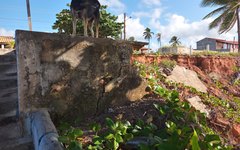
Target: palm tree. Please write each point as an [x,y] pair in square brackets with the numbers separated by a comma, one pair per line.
[175,41]
[159,36]
[228,15]
[148,35]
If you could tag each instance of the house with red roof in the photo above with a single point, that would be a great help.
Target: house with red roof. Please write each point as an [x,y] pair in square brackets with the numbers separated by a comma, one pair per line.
[220,45]
[6,42]
[139,47]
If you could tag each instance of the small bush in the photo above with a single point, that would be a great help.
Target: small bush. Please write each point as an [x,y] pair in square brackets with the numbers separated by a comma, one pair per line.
[170,64]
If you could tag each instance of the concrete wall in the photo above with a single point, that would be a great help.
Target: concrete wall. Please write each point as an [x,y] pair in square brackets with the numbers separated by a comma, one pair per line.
[74,77]
[175,50]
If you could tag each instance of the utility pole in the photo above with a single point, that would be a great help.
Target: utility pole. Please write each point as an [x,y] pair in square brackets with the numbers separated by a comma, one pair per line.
[29,15]
[190,50]
[124,28]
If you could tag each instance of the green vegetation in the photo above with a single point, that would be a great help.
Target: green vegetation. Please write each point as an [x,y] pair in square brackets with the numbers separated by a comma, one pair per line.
[108,24]
[170,64]
[215,53]
[225,105]
[11,44]
[181,126]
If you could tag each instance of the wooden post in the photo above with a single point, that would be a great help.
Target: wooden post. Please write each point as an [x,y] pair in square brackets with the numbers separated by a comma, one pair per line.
[29,15]
[124,29]
[238,28]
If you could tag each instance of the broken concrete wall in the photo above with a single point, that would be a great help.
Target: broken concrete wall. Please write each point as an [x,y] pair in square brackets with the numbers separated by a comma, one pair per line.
[77,76]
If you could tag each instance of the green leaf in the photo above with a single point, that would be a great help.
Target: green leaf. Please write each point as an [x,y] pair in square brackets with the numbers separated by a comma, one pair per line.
[118,138]
[63,139]
[78,132]
[128,136]
[97,140]
[109,136]
[96,127]
[171,126]
[75,146]
[110,123]
[194,141]
[115,145]
[212,138]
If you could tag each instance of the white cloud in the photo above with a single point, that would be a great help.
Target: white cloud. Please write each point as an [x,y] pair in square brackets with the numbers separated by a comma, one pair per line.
[140,14]
[133,28]
[155,18]
[4,32]
[114,5]
[188,32]
[151,2]
[153,14]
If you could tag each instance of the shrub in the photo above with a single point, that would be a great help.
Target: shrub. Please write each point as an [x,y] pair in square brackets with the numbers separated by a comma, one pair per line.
[170,64]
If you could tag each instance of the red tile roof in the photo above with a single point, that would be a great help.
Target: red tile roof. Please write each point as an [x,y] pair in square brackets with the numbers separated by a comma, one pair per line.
[225,41]
[6,39]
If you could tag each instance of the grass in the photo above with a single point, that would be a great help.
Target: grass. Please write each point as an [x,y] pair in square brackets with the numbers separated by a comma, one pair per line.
[213,53]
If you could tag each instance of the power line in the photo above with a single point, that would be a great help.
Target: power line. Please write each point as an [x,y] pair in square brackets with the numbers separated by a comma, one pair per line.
[23,20]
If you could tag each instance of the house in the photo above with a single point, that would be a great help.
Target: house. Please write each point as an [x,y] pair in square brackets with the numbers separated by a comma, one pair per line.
[139,46]
[6,42]
[217,45]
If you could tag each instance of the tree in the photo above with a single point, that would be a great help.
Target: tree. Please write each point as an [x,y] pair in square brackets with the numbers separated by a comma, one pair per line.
[109,27]
[175,41]
[131,38]
[159,37]
[148,35]
[228,15]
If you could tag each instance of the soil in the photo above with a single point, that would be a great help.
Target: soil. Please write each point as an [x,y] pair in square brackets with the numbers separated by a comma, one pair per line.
[132,112]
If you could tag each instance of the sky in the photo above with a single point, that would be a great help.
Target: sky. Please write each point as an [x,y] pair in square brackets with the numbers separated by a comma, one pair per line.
[181,18]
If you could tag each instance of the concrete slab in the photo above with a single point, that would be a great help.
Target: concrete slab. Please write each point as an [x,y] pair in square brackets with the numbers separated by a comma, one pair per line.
[187,77]
[197,103]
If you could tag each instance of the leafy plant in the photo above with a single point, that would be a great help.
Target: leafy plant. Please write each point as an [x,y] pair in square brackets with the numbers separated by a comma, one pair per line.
[71,138]
[170,64]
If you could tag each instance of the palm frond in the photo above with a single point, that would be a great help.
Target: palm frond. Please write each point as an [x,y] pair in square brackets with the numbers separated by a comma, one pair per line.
[216,11]
[214,2]
[228,22]
[216,22]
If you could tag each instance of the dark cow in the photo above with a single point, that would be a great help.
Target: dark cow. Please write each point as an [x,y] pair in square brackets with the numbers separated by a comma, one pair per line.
[88,11]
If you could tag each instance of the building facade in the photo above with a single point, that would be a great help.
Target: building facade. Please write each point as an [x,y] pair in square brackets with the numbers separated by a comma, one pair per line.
[6,42]
[217,45]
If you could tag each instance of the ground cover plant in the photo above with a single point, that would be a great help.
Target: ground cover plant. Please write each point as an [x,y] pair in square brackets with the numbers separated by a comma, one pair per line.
[176,126]
[215,53]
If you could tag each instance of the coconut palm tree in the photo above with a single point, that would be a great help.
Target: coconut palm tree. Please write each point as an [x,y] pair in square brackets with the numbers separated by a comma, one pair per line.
[228,15]
[148,35]
[175,41]
[159,37]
